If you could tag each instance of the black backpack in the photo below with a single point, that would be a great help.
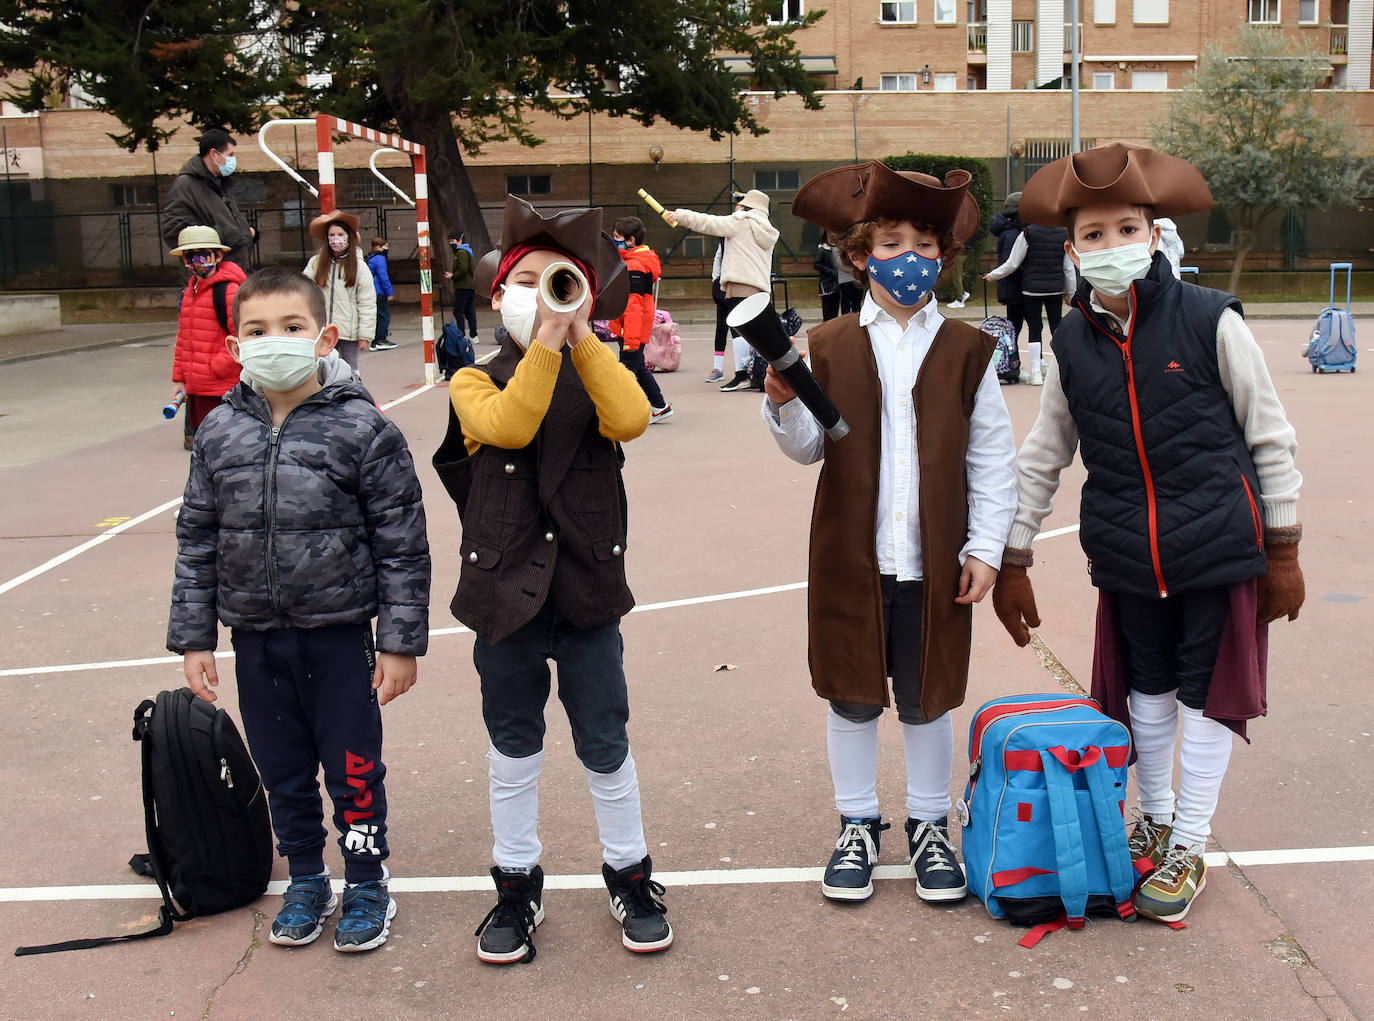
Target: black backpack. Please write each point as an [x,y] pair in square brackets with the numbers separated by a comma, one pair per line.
[205,812]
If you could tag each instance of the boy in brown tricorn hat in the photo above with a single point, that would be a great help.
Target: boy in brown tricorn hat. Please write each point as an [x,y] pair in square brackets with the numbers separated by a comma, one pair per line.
[535,472]
[911,510]
[1189,512]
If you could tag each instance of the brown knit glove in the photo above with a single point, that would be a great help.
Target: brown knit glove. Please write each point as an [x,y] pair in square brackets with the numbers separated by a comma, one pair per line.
[1281,588]
[1013,599]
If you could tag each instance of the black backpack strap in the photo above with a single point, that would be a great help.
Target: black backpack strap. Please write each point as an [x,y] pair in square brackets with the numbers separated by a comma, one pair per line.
[219,293]
[167,912]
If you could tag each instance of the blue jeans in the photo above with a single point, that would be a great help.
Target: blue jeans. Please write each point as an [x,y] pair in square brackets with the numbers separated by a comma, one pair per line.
[591,685]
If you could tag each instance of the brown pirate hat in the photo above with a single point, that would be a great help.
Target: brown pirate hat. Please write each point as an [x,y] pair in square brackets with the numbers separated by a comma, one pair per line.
[840,198]
[575,231]
[1130,174]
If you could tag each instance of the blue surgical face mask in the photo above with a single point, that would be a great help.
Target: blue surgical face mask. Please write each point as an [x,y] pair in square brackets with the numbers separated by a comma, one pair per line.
[230,164]
[908,277]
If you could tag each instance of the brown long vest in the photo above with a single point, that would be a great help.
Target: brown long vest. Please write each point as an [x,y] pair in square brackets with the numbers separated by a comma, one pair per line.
[844,598]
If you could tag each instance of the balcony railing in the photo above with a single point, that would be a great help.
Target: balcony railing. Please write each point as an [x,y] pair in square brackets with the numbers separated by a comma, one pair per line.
[978,37]
[1068,38]
[1338,37]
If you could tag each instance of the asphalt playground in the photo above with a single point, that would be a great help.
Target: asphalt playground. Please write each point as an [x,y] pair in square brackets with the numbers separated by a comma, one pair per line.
[728,737]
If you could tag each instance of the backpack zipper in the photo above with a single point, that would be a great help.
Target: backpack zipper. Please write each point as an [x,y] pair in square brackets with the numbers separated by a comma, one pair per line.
[225,774]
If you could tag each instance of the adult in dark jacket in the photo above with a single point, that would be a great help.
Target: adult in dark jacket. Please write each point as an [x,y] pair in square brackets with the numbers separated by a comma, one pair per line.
[1038,254]
[1006,227]
[199,196]
[829,280]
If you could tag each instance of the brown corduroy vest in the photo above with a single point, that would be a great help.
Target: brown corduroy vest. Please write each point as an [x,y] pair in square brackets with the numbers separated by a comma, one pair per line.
[845,615]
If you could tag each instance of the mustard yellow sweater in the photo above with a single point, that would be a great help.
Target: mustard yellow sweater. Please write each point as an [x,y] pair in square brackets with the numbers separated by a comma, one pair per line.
[509,418]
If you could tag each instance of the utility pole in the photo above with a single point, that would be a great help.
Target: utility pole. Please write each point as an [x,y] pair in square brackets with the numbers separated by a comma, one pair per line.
[1073,74]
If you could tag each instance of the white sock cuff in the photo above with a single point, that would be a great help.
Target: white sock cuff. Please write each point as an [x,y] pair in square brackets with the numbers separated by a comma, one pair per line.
[505,771]
[615,784]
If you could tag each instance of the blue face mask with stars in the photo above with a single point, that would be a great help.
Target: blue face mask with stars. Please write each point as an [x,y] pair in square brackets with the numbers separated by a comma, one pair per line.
[908,277]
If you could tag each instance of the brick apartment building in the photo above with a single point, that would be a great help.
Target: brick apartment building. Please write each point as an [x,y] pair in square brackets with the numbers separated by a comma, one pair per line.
[977,78]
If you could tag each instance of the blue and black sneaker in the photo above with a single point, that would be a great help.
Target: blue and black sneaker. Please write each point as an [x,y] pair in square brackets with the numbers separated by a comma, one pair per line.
[849,873]
[307,903]
[366,920]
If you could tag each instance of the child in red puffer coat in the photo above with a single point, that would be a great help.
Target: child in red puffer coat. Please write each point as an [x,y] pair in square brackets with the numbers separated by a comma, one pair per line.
[202,367]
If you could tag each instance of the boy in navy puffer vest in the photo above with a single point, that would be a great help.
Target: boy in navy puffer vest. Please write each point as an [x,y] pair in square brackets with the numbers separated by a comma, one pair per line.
[1189,512]
[301,522]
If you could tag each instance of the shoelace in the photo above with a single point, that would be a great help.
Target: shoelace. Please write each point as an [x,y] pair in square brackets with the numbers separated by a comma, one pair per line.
[1176,860]
[641,897]
[857,844]
[934,847]
[1145,835]
[512,910]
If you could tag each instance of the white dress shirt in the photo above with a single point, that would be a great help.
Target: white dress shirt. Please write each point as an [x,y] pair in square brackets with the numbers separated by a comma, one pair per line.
[991,450]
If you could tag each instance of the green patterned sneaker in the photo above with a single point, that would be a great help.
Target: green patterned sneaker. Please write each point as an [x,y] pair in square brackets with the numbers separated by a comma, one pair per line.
[1170,890]
[1149,840]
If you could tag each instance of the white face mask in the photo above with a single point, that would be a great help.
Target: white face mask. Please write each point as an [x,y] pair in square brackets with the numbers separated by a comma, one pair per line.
[278,363]
[1111,271]
[519,310]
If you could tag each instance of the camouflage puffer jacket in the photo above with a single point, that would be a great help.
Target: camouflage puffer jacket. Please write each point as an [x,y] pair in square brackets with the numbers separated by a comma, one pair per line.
[316,523]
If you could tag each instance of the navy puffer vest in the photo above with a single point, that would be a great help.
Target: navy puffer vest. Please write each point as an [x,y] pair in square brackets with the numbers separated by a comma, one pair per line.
[1042,270]
[1172,500]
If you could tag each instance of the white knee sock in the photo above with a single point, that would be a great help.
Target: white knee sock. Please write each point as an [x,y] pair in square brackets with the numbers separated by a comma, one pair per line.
[744,354]
[615,797]
[514,793]
[929,751]
[718,362]
[853,765]
[1154,727]
[1034,348]
[1203,758]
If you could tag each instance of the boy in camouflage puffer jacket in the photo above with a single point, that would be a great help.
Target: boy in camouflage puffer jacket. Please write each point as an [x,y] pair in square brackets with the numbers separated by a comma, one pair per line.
[301,522]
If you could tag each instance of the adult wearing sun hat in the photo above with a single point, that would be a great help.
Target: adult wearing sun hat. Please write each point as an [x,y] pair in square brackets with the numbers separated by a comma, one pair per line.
[746,265]
[340,271]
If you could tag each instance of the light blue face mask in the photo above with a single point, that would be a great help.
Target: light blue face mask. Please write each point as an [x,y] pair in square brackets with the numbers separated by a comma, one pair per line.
[231,163]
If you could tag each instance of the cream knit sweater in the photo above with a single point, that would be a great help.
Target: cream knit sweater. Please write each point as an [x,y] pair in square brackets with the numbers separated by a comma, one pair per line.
[749,241]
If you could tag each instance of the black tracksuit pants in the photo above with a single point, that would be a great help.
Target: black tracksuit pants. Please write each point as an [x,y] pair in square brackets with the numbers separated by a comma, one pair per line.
[306,698]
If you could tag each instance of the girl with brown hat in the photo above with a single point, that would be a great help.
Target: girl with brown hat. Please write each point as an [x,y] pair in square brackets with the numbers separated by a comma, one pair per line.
[340,271]
[911,510]
[1189,514]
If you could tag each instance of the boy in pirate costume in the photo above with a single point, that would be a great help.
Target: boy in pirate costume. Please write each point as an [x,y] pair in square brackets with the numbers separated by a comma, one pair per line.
[535,472]
[1189,512]
[911,507]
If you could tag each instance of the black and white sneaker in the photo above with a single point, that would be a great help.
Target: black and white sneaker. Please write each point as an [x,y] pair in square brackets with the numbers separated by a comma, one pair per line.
[849,876]
[939,873]
[740,381]
[506,935]
[635,904]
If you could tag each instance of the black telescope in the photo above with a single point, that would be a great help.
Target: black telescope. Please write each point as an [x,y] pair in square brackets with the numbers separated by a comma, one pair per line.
[759,323]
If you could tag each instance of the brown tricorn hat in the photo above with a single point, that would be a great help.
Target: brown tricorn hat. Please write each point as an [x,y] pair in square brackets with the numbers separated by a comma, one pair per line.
[1132,175]
[840,198]
[575,231]
[319,227]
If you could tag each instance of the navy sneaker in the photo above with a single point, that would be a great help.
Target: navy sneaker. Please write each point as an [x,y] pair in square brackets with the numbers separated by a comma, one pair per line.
[307,903]
[635,904]
[506,935]
[366,920]
[849,875]
[939,873]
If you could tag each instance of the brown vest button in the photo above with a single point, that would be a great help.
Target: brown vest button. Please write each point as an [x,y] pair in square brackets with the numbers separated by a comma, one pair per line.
[616,551]
[510,468]
[472,557]
[548,537]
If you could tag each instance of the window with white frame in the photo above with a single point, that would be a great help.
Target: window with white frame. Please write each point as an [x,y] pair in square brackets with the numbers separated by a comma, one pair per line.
[944,12]
[1104,12]
[787,10]
[1307,12]
[897,82]
[1022,37]
[900,13]
[1151,12]
[946,83]
[1264,12]
[1149,81]
[1104,80]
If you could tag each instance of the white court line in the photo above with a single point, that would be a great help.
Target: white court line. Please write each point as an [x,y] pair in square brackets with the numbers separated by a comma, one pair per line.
[697,877]
[117,664]
[441,632]
[106,536]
